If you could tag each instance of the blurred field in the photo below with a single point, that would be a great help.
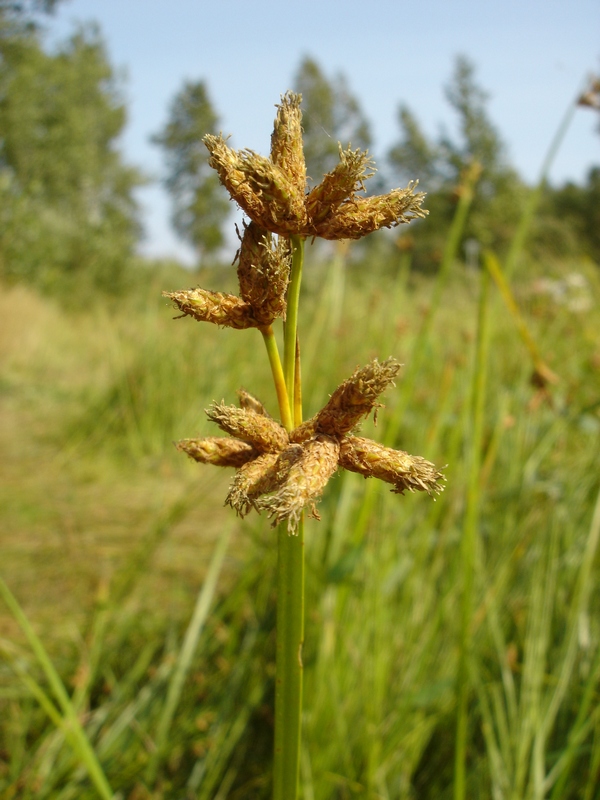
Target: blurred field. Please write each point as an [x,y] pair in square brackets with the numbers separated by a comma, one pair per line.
[107,533]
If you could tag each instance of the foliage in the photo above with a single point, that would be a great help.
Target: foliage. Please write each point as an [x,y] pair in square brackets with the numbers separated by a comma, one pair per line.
[17,16]
[578,209]
[200,202]
[440,167]
[331,114]
[66,196]
[108,559]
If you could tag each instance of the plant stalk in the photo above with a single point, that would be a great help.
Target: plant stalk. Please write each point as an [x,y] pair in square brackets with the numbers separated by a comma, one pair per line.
[278,378]
[290,579]
[291,319]
[535,196]
[469,539]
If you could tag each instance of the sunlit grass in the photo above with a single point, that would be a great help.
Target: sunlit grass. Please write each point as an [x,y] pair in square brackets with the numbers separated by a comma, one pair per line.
[107,537]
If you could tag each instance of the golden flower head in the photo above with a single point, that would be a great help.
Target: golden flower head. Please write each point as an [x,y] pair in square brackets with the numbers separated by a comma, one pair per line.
[272,191]
[591,96]
[263,275]
[285,474]
[216,307]
[263,272]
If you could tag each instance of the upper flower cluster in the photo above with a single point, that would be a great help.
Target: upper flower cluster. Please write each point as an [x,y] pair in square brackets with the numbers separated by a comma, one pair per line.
[273,191]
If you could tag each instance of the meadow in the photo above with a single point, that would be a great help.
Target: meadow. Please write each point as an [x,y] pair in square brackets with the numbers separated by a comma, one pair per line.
[471,619]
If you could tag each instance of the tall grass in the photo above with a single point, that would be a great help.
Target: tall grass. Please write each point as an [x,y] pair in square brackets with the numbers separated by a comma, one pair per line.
[108,539]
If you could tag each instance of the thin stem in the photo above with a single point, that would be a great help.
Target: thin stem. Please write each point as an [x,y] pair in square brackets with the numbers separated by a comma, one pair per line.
[291,321]
[186,654]
[290,580]
[455,234]
[278,377]
[297,387]
[289,668]
[469,539]
[533,201]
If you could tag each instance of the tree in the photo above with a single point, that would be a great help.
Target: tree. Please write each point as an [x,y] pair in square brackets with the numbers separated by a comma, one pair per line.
[21,17]
[479,139]
[200,202]
[414,155]
[66,196]
[331,114]
[440,164]
[579,208]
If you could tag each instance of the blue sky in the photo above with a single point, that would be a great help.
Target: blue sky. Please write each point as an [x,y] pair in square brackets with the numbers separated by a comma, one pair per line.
[532,56]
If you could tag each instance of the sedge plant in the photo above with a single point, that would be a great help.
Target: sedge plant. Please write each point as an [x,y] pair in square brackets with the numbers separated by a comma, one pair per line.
[282,467]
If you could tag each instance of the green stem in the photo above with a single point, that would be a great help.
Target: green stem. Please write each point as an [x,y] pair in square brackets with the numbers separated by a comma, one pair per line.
[469,539]
[186,654]
[419,350]
[290,580]
[291,320]
[533,201]
[288,679]
[278,377]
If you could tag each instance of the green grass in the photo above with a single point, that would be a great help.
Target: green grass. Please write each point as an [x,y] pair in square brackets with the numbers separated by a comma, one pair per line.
[108,536]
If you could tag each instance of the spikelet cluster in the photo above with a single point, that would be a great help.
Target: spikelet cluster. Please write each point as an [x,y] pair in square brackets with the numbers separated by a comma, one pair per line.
[263,275]
[283,474]
[591,96]
[273,191]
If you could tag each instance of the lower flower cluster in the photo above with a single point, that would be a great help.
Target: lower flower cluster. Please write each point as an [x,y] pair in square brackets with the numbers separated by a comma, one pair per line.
[285,473]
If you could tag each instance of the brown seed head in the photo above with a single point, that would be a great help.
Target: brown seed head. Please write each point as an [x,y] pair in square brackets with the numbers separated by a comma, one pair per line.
[263,273]
[355,398]
[266,435]
[346,178]
[258,186]
[216,307]
[251,480]
[287,151]
[307,430]
[272,191]
[591,96]
[248,400]
[359,216]
[218,450]
[305,481]
[373,460]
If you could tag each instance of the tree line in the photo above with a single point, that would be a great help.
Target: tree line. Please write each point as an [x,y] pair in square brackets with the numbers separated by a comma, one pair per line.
[67,196]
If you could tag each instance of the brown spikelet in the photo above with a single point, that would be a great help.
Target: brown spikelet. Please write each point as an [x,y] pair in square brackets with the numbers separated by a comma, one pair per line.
[248,400]
[373,460]
[250,255]
[218,450]
[272,191]
[360,216]
[346,178]
[258,186]
[216,307]
[355,398]
[305,481]
[307,430]
[266,435]
[263,273]
[251,480]
[287,151]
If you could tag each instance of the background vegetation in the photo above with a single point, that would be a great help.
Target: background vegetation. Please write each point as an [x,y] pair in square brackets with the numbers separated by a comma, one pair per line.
[147,594]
